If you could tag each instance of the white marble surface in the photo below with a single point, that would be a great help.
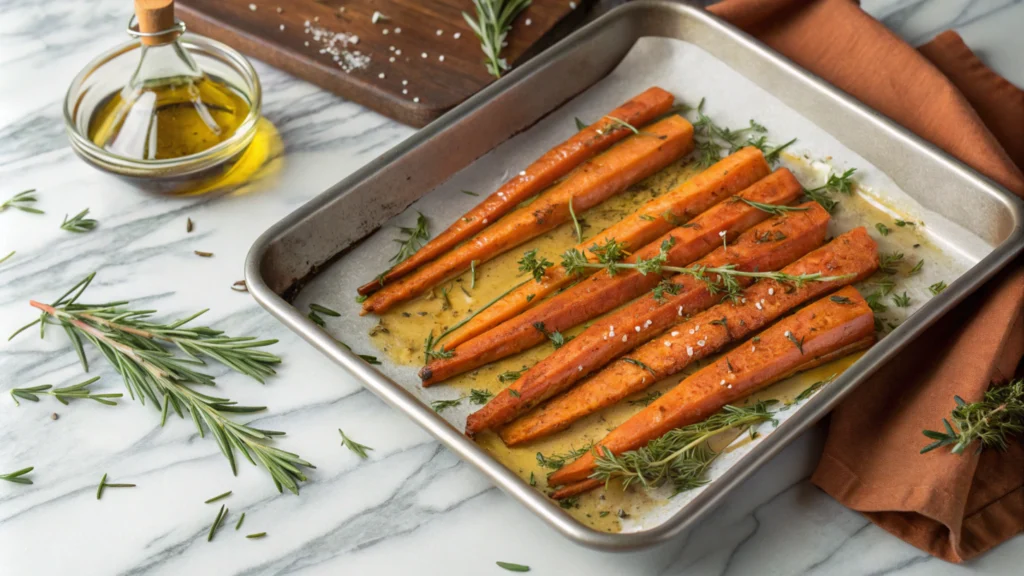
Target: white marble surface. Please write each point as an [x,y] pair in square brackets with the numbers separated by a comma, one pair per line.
[413,507]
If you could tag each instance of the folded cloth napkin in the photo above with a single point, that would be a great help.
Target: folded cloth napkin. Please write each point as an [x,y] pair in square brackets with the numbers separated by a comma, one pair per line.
[951,506]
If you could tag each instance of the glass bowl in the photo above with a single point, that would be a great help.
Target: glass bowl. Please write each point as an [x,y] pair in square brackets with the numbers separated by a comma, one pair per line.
[108,73]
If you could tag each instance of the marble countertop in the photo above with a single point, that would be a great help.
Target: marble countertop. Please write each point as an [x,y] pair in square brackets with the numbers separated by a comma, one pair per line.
[412,507]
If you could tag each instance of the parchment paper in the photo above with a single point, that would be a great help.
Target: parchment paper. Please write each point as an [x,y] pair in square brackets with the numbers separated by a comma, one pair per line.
[691,74]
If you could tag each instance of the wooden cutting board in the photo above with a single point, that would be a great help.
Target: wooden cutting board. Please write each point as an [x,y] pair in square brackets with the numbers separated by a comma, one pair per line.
[418,62]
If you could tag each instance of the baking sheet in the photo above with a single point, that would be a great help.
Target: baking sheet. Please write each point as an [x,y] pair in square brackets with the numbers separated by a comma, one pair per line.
[690,73]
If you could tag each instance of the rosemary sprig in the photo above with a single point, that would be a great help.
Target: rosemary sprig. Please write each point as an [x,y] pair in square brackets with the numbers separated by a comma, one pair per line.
[840,184]
[681,456]
[901,300]
[413,238]
[511,375]
[619,123]
[556,461]
[990,421]
[491,26]
[73,392]
[475,396]
[6,258]
[21,201]
[353,446]
[131,344]
[17,476]
[813,389]
[640,364]
[429,350]
[78,223]
[323,310]
[530,264]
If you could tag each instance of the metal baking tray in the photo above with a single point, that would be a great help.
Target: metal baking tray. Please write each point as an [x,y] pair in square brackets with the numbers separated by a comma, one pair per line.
[322,232]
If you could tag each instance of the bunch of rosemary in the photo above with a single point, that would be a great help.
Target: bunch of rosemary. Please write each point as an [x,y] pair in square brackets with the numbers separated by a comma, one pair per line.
[491,25]
[681,456]
[990,421]
[143,353]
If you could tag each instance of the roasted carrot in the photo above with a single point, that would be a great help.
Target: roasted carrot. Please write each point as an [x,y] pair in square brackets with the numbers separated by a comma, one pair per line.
[727,177]
[593,182]
[619,332]
[600,293]
[852,257]
[554,164]
[818,333]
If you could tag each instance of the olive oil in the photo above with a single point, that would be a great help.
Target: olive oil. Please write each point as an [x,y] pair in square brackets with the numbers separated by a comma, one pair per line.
[169,119]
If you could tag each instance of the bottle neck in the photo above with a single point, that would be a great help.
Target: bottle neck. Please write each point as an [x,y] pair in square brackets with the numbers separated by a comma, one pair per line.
[161,64]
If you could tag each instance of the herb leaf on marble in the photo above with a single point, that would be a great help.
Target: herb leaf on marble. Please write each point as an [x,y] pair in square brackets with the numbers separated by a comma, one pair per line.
[21,201]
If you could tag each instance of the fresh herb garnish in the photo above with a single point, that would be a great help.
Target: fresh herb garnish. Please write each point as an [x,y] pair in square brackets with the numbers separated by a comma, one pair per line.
[470,193]
[202,254]
[902,223]
[5,258]
[188,225]
[78,223]
[841,300]
[813,389]
[917,268]
[20,201]
[990,421]
[556,337]
[513,567]
[240,520]
[773,209]
[472,274]
[324,310]
[664,286]
[413,238]
[17,476]
[640,364]
[353,446]
[874,300]
[888,262]
[256,535]
[104,485]
[316,319]
[217,522]
[647,217]
[73,392]
[681,456]
[132,343]
[580,124]
[842,184]
[901,300]
[623,124]
[535,267]
[475,396]
[511,375]
[556,461]
[937,288]
[882,229]
[798,343]
[513,392]
[218,497]
[575,223]
[493,21]
[647,399]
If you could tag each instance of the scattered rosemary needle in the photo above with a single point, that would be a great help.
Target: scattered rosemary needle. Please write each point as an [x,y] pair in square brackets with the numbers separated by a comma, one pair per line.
[20,201]
[202,254]
[218,497]
[470,193]
[256,535]
[217,522]
[681,456]
[773,209]
[882,229]
[580,124]
[472,274]
[324,310]
[353,446]
[76,391]
[475,396]
[17,476]
[240,520]
[557,460]
[511,567]
[142,352]
[493,21]
[78,223]
[188,225]
[937,288]
[991,421]
[575,223]
[104,485]
[5,258]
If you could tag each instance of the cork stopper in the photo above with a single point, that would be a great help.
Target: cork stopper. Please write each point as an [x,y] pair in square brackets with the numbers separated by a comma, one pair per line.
[155,16]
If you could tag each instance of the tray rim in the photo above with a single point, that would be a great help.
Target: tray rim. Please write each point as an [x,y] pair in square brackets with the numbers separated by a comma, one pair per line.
[398,397]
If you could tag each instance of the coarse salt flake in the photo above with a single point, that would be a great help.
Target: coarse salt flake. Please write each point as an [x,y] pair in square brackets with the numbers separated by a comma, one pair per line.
[252,7]
[758,306]
[416,99]
[689,350]
[578,368]
[701,343]
[405,82]
[439,32]
[679,311]
[457,35]
[722,383]
[625,338]
[771,291]
[282,26]
[423,55]
[398,30]
[441,58]
[675,333]
[522,173]
[637,328]
[668,344]
[528,21]
[381,76]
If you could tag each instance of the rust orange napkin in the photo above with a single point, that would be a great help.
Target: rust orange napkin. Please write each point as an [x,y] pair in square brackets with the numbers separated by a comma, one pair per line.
[953,507]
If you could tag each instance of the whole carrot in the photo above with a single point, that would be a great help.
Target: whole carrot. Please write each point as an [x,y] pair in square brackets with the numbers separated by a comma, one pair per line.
[619,332]
[543,172]
[596,180]
[600,293]
[852,257]
[828,329]
[726,177]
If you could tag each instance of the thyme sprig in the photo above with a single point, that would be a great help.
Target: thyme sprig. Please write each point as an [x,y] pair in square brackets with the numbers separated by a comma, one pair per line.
[773,209]
[430,350]
[835,183]
[18,476]
[491,26]
[557,460]
[619,123]
[529,263]
[413,239]
[21,201]
[132,345]
[717,279]
[73,392]
[991,421]
[681,456]
[78,223]
[714,139]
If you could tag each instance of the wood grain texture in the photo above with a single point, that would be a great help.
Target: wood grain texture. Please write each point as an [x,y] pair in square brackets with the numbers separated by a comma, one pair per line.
[438,84]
